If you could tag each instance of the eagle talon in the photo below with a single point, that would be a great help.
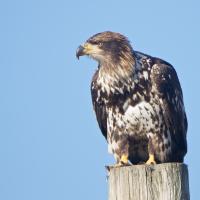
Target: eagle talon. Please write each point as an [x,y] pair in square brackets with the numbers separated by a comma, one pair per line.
[151,160]
[118,164]
[121,164]
[125,164]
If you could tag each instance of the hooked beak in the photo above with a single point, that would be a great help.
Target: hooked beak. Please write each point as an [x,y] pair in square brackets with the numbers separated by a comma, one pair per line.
[80,51]
[85,49]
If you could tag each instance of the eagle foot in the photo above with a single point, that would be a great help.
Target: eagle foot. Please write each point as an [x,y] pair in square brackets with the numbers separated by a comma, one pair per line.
[123,161]
[121,164]
[151,160]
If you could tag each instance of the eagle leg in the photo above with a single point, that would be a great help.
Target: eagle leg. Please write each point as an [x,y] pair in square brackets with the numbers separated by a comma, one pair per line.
[151,160]
[151,150]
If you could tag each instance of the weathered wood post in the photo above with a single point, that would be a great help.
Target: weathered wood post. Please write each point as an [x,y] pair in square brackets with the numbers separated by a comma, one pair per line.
[167,181]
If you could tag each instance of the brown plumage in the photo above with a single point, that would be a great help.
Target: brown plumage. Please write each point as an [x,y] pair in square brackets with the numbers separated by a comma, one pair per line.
[138,102]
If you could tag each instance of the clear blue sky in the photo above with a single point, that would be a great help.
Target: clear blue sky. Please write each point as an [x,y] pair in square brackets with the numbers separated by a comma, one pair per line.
[50,145]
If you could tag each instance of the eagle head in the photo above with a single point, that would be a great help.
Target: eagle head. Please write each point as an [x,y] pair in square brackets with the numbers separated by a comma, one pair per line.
[107,47]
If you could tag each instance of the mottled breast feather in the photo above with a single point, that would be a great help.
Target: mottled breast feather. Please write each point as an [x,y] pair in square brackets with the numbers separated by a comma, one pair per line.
[152,90]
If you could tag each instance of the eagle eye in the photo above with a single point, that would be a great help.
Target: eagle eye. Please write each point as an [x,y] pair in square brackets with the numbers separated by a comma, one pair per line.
[100,44]
[94,42]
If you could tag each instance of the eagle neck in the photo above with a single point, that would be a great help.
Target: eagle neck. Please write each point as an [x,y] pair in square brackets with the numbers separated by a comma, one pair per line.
[116,77]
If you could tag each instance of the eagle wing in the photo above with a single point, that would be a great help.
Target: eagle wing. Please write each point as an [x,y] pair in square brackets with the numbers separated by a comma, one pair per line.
[99,106]
[167,90]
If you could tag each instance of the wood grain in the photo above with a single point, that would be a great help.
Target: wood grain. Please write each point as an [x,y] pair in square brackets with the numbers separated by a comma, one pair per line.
[167,181]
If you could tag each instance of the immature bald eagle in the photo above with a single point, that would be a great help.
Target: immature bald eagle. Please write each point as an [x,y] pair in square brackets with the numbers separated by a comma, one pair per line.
[138,102]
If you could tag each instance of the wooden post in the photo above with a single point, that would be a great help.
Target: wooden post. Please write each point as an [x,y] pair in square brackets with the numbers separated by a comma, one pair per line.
[167,181]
